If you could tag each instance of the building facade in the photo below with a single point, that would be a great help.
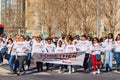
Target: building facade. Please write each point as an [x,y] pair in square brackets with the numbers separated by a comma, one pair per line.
[53,17]
[0,11]
[12,18]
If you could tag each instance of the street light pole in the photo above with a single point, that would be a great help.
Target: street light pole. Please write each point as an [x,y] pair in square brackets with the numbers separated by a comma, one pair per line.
[97,19]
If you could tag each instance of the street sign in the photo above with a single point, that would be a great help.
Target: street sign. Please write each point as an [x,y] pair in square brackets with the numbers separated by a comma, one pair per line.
[44,36]
[101,27]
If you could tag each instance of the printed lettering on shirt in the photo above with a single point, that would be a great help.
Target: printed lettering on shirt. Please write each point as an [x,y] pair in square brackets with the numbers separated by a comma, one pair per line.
[59,50]
[49,47]
[20,45]
[96,46]
[38,46]
[70,48]
[83,42]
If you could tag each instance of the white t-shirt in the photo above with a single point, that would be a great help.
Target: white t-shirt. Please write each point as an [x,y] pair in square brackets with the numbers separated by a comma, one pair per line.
[109,44]
[103,46]
[60,49]
[95,49]
[117,46]
[37,47]
[20,48]
[49,47]
[70,48]
[84,46]
[28,46]
[9,46]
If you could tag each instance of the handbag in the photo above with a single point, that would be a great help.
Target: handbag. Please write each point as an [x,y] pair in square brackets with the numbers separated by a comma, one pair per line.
[98,57]
[7,56]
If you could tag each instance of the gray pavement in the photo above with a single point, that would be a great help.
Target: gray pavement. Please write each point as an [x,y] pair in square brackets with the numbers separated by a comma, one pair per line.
[54,75]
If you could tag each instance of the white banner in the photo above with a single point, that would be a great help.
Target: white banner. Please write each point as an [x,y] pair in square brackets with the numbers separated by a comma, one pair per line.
[71,58]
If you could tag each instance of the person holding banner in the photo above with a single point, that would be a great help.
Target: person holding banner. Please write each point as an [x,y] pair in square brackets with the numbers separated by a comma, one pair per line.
[48,48]
[95,54]
[84,45]
[76,40]
[70,48]
[60,49]
[37,47]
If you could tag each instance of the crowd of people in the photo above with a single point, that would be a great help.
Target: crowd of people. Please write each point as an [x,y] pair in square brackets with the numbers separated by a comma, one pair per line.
[99,52]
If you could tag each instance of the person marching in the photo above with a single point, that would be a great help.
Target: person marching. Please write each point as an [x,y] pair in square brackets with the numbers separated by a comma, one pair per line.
[109,46]
[21,51]
[11,57]
[117,52]
[60,49]
[102,43]
[70,48]
[28,57]
[84,45]
[3,50]
[95,54]
[38,48]
[48,48]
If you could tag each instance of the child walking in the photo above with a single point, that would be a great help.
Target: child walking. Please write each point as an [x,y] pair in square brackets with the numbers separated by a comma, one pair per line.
[95,54]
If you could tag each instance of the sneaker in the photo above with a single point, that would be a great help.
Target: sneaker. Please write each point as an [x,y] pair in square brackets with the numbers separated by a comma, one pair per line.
[98,71]
[20,73]
[1,64]
[70,72]
[60,72]
[116,71]
[94,72]
[73,70]
[26,68]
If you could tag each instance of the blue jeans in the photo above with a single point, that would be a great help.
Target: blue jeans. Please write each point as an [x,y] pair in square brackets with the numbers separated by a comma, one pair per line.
[117,55]
[108,59]
[28,59]
[12,61]
[90,63]
[3,50]
[2,53]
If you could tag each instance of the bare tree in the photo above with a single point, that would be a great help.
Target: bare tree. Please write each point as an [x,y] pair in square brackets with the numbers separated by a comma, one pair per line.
[111,8]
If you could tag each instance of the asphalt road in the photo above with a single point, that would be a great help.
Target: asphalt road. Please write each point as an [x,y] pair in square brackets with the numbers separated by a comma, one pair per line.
[54,75]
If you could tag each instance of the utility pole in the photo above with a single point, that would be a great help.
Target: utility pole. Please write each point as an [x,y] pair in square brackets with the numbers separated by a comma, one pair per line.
[97,18]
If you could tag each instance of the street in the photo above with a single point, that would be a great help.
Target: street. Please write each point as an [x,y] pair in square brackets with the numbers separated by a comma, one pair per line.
[54,75]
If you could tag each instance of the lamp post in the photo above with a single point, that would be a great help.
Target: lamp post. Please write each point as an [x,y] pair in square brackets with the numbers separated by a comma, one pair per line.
[97,19]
